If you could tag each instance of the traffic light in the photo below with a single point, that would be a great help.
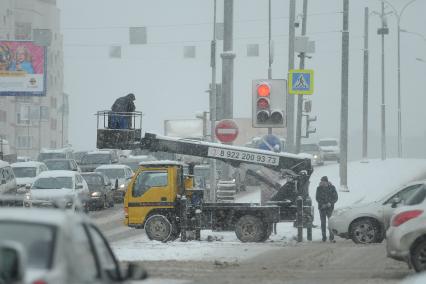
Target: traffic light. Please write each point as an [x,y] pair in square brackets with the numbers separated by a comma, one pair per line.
[269,102]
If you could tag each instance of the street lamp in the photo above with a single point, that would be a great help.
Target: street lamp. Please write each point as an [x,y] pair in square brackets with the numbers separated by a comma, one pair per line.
[398,16]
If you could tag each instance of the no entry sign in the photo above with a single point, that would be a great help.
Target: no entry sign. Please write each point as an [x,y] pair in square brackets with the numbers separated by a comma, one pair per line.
[226,130]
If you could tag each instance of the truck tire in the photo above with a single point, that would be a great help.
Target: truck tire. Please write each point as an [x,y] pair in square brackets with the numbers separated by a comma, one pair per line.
[158,228]
[175,231]
[267,231]
[250,229]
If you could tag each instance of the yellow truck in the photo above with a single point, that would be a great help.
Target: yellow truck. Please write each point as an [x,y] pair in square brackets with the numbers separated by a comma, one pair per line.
[163,201]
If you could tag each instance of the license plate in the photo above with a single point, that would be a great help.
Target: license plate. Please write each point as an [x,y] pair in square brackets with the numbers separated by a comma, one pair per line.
[243,156]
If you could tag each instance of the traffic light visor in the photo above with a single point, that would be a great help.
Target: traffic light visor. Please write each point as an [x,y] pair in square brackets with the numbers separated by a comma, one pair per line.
[263,90]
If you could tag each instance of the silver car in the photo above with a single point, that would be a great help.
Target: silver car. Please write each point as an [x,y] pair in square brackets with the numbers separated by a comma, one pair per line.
[60,247]
[367,222]
[406,236]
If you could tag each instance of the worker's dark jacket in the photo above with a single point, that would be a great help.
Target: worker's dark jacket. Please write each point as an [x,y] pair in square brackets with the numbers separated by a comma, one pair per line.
[123,104]
[326,193]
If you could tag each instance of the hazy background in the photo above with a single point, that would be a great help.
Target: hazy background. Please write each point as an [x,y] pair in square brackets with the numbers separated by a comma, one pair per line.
[169,86]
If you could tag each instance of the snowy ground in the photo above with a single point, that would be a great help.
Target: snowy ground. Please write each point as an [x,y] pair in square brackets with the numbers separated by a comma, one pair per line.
[365,181]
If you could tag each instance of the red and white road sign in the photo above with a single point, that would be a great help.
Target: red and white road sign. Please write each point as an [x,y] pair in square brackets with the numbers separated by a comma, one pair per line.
[226,130]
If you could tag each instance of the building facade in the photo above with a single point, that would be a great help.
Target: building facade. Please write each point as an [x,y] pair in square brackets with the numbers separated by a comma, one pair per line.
[31,123]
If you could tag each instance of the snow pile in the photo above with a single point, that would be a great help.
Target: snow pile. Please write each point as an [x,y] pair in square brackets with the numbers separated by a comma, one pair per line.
[366,181]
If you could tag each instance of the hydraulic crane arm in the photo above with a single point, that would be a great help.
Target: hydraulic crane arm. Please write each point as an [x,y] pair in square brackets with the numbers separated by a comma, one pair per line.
[229,154]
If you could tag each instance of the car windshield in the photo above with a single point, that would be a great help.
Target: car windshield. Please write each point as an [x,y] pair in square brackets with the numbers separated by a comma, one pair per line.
[112,173]
[53,183]
[93,179]
[37,239]
[309,147]
[96,159]
[57,165]
[23,172]
[328,143]
[46,156]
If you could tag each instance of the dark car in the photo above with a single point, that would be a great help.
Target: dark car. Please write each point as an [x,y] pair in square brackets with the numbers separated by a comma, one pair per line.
[101,191]
[62,165]
[94,159]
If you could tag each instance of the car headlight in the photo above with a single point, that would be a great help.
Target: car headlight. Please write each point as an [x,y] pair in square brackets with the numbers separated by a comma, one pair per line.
[340,211]
[315,156]
[95,194]
[28,196]
[122,186]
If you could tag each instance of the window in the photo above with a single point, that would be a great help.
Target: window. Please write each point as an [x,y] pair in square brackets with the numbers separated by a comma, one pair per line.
[23,116]
[44,113]
[53,124]
[24,142]
[405,193]
[146,180]
[85,268]
[53,102]
[3,116]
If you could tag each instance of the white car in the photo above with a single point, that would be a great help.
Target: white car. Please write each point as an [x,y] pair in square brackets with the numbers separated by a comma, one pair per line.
[330,148]
[53,187]
[7,179]
[59,247]
[406,236]
[26,172]
[120,176]
[367,223]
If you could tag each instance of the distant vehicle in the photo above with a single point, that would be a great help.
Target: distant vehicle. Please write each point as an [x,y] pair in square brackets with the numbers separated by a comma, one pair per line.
[120,176]
[367,223]
[78,155]
[59,247]
[62,165]
[51,186]
[101,191]
[7,179]
[406,236]
[23,159]
[9,155]
[94,159]
[26,172]
[315,151]
[133,161]
[330,147]
[64,153]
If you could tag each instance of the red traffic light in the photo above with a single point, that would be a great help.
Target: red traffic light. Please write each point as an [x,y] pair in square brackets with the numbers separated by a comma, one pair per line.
[263,103]
[263,90]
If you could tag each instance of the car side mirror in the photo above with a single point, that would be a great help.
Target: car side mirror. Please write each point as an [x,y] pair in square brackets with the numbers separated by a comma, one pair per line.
[135,272]
[12,262]
[395,201]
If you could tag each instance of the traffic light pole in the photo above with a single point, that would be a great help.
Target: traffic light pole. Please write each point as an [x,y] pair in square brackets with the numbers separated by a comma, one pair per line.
[300,97]
[269,53]
[365,90]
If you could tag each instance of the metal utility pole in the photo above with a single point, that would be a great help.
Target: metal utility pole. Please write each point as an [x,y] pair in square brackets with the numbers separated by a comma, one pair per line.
[269,51]
[300,97]
[343,166]
[213,107]
[227,67]
[365,90]
[290,98]
[383,130]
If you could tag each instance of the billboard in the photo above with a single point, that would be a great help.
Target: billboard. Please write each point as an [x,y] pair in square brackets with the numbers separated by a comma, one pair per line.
[22,69]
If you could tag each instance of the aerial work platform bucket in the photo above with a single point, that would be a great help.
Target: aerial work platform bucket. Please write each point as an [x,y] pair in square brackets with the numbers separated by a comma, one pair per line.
[118,130]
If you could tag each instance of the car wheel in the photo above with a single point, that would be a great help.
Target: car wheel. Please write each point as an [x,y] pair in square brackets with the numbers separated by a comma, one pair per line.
[418,256]
[365,231]
[250,229]
[158,228]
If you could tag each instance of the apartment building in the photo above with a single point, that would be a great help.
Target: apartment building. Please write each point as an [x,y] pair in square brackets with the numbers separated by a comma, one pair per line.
[30,123]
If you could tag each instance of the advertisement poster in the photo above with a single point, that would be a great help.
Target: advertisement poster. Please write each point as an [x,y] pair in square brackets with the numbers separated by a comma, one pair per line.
[22,69]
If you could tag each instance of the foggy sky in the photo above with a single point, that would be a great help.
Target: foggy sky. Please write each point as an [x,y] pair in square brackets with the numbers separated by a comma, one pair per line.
[168,86]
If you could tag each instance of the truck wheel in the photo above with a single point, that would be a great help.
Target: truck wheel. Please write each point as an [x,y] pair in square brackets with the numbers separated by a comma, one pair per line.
[175,231]
[267,231]
[158,228]
[250,229]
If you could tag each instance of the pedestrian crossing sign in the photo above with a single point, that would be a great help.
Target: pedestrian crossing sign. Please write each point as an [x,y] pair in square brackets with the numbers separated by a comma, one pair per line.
[301,82]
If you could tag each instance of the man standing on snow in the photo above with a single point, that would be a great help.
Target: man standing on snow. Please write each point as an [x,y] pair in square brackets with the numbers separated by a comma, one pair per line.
[121,105]
[326,196]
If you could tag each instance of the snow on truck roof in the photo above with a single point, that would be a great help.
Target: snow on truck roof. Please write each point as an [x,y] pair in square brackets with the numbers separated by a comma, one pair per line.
[161,163]
[112,166]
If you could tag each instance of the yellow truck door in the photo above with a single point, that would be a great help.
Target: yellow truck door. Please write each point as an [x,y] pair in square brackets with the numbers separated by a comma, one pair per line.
[150,189]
